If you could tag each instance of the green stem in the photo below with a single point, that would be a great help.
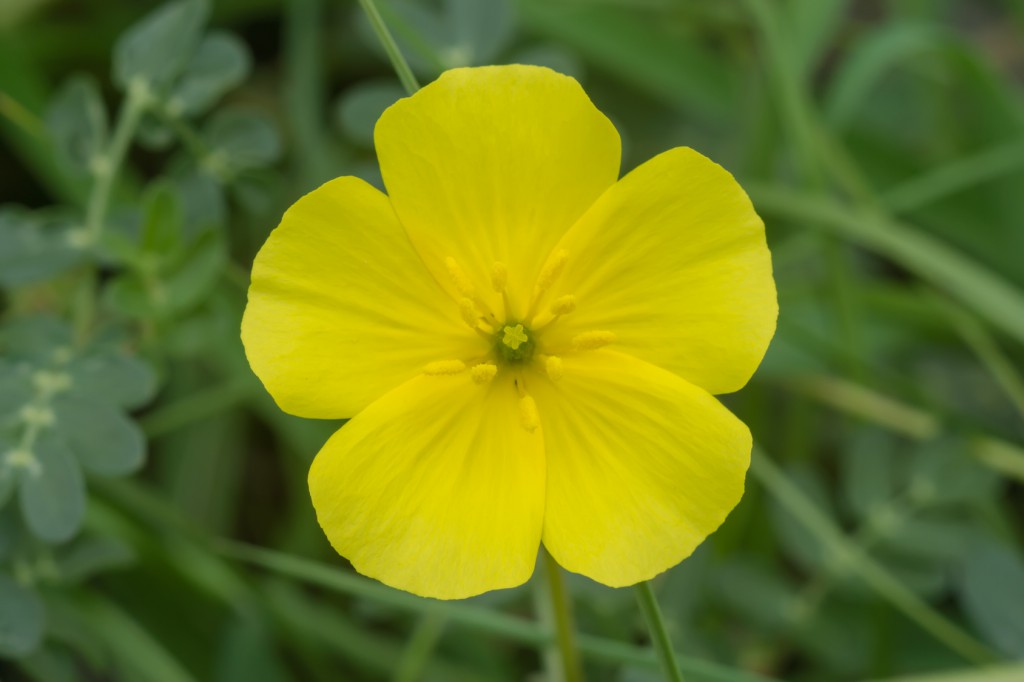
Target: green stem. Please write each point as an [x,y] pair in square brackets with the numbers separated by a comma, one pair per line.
[201,405]
[988,351]
[421,646]
[105,170]
[804,511]
[109,163]
[561,608]
[305,101]
[659,634]
[401,66]
[479,619]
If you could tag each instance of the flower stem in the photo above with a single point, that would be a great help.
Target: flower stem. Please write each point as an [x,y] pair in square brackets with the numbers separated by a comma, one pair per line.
[561,613]
[659,635]
[401,66]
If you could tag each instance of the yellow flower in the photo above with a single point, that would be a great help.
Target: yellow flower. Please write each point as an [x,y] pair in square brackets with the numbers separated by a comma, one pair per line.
[527,346]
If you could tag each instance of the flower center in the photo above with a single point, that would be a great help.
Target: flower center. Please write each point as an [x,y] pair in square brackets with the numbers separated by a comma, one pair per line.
[514,343]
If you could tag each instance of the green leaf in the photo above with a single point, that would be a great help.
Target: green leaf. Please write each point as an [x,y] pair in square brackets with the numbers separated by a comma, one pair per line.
[984,292]
[869,476]
[760,595]
[114,376]
[15,389]
[240,140]
[876,54]
[7,481]
[161,222]
[195,273]
[128,295]
[551,55]
[77,121]
[21,619]
[930,538]
[153,133]
[811,25]
[35,338]
[945,473]
[10,531]
[799,542]
[203,203]
[50,664]
[992,592]
[157,48]
[358,109]
[457,33]
[106,442]
[52,494]
[641,49]
[33,247]
[221,63]
[87,557]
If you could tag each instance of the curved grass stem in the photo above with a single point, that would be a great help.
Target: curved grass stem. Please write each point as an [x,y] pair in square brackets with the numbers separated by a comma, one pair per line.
[659,633]
[398,61]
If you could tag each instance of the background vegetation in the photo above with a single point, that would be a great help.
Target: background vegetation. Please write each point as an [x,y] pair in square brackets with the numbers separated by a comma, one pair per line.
[154,517]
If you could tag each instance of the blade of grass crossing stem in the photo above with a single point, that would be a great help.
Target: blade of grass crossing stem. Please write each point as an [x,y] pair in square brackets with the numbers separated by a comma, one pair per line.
[130,643]
[987,350]
[796,503]
[991,297]
[481,619]
[421,647]
[659,634]
[398,62]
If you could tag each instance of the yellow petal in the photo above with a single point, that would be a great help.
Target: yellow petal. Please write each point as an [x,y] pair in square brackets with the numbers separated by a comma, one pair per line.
[642,466]
[341,308]
[492,165]
[673,261]
[435,488]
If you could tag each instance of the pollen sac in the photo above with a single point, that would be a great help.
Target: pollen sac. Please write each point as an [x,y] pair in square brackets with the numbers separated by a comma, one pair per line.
[514,343]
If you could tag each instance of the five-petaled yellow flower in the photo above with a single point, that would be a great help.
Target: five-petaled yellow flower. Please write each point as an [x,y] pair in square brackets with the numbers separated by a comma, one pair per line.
[527,346]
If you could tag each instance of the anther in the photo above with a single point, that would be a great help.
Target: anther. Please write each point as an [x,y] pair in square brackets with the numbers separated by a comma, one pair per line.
[468,311]
[483,373]
[459,278]
[499,276]
[529,418]
[551,271]
[592,340]
[444,368]
[553,366]
[563,305]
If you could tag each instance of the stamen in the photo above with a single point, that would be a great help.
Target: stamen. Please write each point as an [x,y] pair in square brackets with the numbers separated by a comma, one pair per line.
[444,368]
[529,418]
[468,311]
[592,340]
[550,273]
[553,366]
[563,305]
[499,276]
[483,373]
[459,278]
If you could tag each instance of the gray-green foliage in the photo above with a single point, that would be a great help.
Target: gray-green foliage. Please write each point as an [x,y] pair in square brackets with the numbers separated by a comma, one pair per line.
[92,287]
[882,144]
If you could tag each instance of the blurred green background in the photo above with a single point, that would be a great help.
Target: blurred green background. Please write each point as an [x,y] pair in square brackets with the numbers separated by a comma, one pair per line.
[160,527]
